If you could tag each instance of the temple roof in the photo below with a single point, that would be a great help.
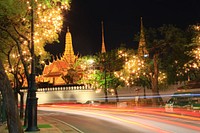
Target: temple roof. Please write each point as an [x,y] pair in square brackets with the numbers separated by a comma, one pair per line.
[56,68]
[59,67]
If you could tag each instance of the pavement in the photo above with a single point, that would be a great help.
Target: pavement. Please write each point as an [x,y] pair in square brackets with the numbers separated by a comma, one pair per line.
[47,125]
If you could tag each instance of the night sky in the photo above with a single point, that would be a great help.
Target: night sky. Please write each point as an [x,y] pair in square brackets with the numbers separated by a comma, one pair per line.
[121,21]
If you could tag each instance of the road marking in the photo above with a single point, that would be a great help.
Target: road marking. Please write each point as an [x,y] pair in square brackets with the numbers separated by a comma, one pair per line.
[68,125]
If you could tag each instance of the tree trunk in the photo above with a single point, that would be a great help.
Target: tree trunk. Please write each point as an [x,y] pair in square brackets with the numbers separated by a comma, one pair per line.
[105,88]
[13,120]
[154,79]
[116,95]
[21,105]
[26,111]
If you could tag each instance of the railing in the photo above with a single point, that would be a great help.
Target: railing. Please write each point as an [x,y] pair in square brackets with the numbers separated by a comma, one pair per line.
[60,87]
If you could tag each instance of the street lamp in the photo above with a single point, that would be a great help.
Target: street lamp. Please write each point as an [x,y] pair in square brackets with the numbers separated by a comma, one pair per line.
[32,100]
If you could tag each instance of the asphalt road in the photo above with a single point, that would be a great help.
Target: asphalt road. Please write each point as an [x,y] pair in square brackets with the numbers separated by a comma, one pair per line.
[104,120]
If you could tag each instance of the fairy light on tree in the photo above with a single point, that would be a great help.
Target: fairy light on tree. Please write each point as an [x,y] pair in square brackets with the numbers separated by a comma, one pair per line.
[132,68]
[88,69]
[191,68]
[135,68]
[16,34]
[48,22]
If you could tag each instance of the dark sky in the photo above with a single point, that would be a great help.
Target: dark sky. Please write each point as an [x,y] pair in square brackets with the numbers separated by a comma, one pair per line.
[121,21]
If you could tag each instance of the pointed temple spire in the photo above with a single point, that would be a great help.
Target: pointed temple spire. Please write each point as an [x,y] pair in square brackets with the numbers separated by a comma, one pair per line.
[103,48]
[142,51]
[69,52]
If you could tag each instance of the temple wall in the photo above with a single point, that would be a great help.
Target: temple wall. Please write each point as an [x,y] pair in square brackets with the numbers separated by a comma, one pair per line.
[81,96]
[64,96]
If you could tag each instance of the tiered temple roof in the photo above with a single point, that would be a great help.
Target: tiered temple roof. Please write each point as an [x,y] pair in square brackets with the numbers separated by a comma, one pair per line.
[54,72]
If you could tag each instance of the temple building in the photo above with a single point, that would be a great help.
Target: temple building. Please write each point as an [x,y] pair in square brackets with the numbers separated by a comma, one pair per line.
[142,51]
[55,71]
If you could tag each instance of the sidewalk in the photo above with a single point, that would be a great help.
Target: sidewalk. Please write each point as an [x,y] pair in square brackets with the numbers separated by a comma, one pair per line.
[47,125]
[3,128]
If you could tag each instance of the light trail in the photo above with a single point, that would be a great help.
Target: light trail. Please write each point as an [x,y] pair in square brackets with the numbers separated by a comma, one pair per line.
[155,129]
[115,114]
[161,120]
[154,111]
[152,128]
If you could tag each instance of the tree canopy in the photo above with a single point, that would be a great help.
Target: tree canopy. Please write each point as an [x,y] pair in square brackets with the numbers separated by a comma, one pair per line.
[171,43]
[22,23]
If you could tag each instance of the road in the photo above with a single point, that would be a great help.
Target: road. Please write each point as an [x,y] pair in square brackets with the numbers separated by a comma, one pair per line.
[114,120]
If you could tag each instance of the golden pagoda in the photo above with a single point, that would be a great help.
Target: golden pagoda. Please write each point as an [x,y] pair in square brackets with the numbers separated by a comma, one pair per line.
[69,51]
[142,51]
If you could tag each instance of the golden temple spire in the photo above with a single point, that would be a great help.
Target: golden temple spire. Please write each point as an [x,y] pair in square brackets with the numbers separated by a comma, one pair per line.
[69,52]
[142,51]
[103,48]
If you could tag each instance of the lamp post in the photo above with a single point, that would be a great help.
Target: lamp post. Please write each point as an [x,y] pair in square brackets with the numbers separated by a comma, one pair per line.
[32,100]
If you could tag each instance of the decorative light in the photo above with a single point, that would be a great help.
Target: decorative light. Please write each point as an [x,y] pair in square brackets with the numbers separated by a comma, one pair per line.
[48,22]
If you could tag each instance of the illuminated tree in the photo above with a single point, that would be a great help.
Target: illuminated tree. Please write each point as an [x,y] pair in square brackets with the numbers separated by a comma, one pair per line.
[98,71]
[132,67]
[15,27]
[167,46]
[88,68]
[15,33]
[47,22]
[191,68]
[137,71]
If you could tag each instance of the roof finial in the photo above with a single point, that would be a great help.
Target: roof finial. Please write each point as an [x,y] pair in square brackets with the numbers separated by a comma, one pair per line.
[67,28]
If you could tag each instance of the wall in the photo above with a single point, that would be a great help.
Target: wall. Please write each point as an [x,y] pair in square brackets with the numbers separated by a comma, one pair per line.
[64,96]
[82,96]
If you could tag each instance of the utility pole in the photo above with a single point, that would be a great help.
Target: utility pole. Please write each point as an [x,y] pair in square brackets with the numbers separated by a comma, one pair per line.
[32,100]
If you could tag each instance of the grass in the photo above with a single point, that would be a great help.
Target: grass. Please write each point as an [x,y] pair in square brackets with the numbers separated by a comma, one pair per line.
[42,126]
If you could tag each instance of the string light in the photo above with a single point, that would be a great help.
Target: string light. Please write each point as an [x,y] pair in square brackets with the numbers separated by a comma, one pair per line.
[134,68]
[48,22]
[194,64]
